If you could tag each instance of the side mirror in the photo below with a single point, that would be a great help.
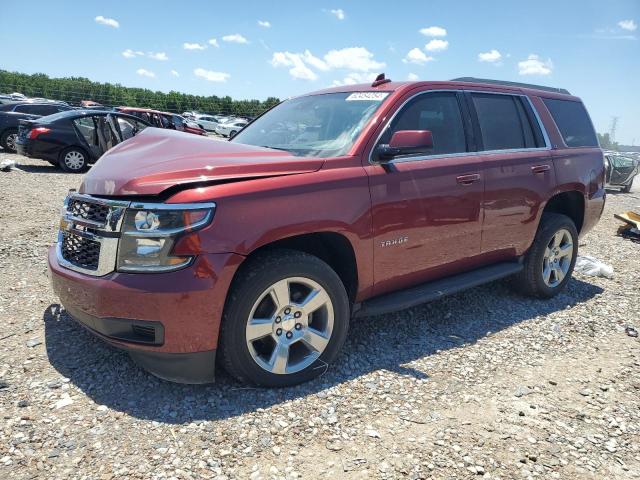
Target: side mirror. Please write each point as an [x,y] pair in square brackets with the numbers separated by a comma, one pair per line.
[406,142]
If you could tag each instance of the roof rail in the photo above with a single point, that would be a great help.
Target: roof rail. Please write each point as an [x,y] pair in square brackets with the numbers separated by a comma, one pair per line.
[511,84]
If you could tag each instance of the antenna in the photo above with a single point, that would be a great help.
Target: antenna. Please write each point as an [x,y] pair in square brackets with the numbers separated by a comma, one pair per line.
[380,80]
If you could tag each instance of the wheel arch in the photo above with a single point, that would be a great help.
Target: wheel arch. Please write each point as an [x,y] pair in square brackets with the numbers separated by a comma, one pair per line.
[570,203]
[332,248]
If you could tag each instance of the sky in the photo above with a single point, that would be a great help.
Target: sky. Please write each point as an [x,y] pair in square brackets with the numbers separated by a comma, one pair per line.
[258,49]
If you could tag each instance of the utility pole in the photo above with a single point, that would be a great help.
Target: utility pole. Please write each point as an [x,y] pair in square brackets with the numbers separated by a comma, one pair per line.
[613,128]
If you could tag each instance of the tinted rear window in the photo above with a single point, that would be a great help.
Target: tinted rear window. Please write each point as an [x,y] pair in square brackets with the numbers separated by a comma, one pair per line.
[504,124]
[573,122]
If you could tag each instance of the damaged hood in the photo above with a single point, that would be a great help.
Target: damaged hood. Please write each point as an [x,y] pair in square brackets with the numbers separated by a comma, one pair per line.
[157,159]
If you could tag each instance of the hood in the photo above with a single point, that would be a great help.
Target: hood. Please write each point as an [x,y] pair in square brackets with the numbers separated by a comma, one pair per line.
[157,159]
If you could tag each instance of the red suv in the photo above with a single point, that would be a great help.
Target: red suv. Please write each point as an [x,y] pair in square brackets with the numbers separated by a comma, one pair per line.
[349,202]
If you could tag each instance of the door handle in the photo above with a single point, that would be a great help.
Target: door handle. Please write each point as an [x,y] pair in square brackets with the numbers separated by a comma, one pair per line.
[540,168]
[468,179]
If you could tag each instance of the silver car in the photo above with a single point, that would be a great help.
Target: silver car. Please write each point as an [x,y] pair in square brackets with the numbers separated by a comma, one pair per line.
[620,171]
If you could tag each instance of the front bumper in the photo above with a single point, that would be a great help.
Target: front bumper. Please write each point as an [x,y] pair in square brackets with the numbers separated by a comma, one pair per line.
[168,322]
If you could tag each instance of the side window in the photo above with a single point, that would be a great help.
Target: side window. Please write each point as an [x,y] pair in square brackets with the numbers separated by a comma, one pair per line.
[24,109]
[45,109]
[87,128]
[573,122]
[504,124]
[438,112]
[178,123]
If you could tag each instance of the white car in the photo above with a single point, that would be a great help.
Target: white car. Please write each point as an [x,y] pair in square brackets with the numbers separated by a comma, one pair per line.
[229,129]
[207,122]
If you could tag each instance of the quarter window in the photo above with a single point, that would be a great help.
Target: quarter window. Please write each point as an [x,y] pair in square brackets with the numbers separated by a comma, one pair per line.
[573,122]
[438,112]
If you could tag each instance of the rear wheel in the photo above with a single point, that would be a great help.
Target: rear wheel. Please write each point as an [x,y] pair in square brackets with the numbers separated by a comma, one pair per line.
[8,139]
[285,320]
[73,160]
[549,263]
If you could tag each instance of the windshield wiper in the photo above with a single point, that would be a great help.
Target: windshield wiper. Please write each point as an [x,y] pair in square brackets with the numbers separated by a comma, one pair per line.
[274,148]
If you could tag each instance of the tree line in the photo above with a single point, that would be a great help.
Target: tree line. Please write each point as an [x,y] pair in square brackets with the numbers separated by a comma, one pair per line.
[75,89]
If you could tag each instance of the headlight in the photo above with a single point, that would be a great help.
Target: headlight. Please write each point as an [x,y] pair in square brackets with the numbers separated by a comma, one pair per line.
[149,233]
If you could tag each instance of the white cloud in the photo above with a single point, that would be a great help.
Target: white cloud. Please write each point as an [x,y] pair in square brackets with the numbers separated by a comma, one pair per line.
[193,46]
[211,75]
[416,56]
[214,42]
[436,45]
[354,58]
[434,32]
[295,61]
[145,73]
[492,56]
[302,65]
[109,22]
[158,56]
[628,25]
[413,77]
[128,53]
[338,13]
[235,38]
[315,62]
[534,66]
[264,23]
[175,73]
[354,78]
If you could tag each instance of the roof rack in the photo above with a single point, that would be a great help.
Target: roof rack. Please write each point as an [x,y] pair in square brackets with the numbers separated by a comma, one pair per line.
[511,84]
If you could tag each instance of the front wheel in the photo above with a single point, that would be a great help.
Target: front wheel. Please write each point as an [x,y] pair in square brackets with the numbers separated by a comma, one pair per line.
[549,263]
[73,160]
[285,320]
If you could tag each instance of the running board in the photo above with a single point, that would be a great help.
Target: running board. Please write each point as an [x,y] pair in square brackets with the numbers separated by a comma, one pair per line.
[427,292]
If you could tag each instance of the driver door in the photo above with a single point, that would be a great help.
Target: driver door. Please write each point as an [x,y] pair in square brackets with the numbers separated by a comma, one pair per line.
[427,217]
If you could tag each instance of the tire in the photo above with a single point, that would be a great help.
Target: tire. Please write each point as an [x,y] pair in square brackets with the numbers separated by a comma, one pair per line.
[556,234]
[74,160]
[232,134]
[248,349]
[8,139]
[627,188]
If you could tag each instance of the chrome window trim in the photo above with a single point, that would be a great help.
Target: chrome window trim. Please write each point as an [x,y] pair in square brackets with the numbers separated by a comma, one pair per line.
[417,158]
[171,206]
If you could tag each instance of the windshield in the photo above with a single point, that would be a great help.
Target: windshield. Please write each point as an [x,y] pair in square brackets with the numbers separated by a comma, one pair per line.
[324,125]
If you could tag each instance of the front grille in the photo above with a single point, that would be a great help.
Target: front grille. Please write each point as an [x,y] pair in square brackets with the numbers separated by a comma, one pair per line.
[95,212]
[80,251]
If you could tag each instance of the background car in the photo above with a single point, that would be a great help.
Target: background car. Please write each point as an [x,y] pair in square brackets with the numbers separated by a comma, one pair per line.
[207,122]
[620,171]
[74,139]
[161,119]
[229,129]
[12,113]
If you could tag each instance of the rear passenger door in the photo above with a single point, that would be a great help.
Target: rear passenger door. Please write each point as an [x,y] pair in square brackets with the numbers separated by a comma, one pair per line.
[519,174]
[427,216]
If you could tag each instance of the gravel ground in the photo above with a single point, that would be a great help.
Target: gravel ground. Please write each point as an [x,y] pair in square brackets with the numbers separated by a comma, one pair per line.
[483,384]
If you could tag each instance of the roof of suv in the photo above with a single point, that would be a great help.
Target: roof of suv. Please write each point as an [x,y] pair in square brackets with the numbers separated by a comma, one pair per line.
[468,83]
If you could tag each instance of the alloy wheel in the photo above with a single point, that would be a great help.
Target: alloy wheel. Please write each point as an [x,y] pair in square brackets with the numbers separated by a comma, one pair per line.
[290,325]
[11,141]
[557,258]
[74,160]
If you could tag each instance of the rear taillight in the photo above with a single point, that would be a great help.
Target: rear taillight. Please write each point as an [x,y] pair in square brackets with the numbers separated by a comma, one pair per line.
[38,131]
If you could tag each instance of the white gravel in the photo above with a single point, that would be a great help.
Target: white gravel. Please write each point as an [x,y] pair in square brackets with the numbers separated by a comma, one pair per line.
[484,384]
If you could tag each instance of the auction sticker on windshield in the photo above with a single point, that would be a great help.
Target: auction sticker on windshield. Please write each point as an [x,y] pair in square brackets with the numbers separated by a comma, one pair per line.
[367,96]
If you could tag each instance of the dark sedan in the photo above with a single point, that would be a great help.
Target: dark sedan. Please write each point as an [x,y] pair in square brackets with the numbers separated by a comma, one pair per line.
[75,139]
[12,113]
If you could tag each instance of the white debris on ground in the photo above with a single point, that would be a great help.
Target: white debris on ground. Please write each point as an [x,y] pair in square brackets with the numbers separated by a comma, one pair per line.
[483,384]
[592,266]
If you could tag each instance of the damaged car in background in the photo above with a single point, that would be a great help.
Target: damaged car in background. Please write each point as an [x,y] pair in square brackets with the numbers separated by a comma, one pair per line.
[620,170]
